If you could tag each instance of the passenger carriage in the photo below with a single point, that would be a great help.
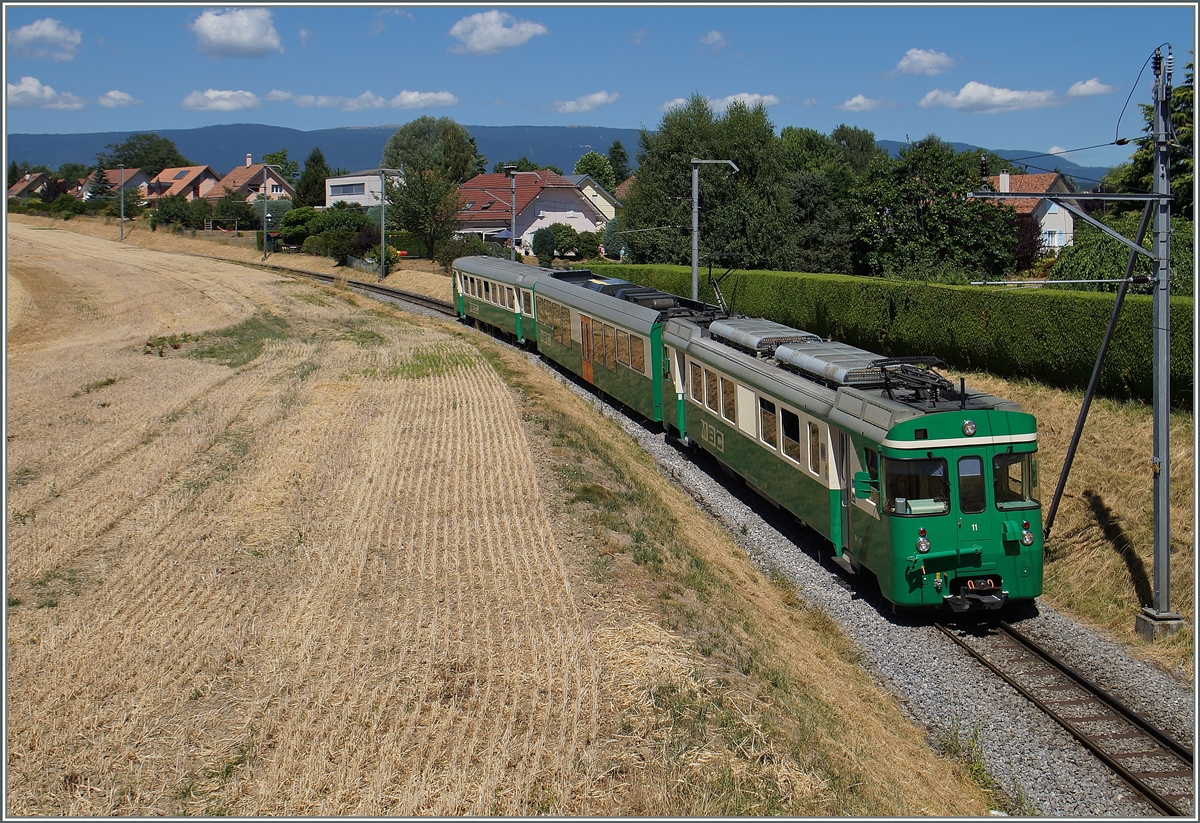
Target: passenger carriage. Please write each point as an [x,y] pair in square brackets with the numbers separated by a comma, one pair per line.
[497,293]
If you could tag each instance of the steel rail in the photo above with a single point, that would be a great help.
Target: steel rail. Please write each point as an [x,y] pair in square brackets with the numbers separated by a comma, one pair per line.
[1107,702]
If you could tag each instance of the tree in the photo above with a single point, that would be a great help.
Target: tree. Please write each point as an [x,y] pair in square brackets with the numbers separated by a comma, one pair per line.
[101,190]
[233,211]
[289,169]
[1138,174]
[145,150]
[820,180]
[310,190]
[598,167]
[858,147]
[543,246]
[69,172]
[53,189]
[198,211]
[618,160]
[425,202]
[746,218]
[524,164]
[1095,255]
[14,174]
[914,221]
[432,144]
[566,239]
[172,209]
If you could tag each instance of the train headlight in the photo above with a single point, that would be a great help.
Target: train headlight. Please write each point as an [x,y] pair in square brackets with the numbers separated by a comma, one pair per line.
[923,545]
[969,428]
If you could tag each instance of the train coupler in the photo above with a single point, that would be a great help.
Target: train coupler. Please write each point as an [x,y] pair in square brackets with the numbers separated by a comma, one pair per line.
[976,600]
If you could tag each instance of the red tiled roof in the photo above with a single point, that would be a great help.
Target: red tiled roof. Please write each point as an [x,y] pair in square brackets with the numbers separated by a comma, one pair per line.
[251,178]
[1028,184]
[623,188]
[486,198]
[23,186]
[167,184]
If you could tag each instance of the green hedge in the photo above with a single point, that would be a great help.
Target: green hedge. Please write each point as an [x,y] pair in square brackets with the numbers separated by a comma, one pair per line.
[407,241]
[1048,335]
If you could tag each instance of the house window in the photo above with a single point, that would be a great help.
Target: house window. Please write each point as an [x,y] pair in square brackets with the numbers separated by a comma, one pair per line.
[468,206]
[1048,237]
[276,188]
[347,188]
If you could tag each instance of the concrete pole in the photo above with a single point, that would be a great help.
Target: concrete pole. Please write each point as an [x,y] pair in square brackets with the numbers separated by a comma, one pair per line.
[695,229]
[512,206]
[121,194]
[263,194]
[382,225]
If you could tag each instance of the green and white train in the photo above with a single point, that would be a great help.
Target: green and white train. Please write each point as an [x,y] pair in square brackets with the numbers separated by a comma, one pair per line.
[930,486]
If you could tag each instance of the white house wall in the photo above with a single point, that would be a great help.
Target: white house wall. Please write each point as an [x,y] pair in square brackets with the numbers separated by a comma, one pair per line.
[369,197]
[556,206]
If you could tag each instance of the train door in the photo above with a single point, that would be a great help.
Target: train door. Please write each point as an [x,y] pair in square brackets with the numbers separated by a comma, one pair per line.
[972,501]
[585,335]
[841,441]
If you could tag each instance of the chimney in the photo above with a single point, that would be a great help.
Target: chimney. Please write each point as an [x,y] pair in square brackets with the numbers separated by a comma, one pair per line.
[1004,181]
[247,161]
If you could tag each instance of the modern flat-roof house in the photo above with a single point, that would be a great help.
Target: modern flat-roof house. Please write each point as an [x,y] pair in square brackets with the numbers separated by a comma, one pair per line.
[193,182]
[1057,224]
[543,198]
[361,187]
[250,178]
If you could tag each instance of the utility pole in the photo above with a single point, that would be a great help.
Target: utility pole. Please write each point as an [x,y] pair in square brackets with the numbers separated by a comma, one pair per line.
[696,220]
[121,194]
[1159,620]
[512,173]
[383,220]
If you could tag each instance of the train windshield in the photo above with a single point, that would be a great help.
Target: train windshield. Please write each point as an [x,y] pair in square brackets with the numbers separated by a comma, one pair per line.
[916,487]
[1015,476]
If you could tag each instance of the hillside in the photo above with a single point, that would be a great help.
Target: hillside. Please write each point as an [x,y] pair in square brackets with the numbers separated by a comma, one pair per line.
[224,147]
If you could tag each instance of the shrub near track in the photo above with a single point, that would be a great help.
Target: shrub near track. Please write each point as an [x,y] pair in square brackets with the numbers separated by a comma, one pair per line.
[1050,336]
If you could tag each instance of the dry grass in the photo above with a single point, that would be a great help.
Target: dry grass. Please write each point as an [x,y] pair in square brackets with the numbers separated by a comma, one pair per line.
[328,579]
[1100,556]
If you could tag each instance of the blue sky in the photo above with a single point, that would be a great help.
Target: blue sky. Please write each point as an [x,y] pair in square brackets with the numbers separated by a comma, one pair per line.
[1023,76]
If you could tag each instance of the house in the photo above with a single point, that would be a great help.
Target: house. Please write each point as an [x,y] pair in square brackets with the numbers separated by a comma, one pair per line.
[133,179]
[362,187]
[249,179]
[31,185]
[593,191]
[193,182]
[542,198]
[1057,224]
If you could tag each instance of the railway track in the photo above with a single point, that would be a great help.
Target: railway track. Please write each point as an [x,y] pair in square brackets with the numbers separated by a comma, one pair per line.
[1156,766]
[433,303]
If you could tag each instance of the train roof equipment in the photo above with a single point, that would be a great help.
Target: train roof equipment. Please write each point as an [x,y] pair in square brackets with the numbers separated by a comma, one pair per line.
[663,305]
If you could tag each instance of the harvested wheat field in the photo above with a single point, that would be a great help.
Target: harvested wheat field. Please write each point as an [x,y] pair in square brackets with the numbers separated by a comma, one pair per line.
[274,549]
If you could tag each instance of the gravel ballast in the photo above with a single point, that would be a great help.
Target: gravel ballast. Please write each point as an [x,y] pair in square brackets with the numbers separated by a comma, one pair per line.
[1034,761]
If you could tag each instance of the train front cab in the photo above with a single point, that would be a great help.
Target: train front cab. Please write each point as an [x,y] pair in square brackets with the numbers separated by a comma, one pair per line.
[958,497]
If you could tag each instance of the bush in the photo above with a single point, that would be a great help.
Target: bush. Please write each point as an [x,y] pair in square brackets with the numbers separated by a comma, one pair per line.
[1048,335]
[566,239]
[68,205]
[339,243]
[588,245]
[293,226]
[315,245]
[543,246]
[467,246]
[366,238]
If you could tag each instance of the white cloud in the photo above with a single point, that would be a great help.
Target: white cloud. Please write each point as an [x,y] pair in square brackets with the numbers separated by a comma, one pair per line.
[673,104]
[422,100]
[811,101]
[585,103]
[638,36]
[490,31]
[919,61]
[860,102]
[1090,88]
[45,38]
[984,99]
[236,33]
[1056,150]
[304,35]
[217,100]
[116,99]
[29,93]
[714,40]
[751,100]
[366,100]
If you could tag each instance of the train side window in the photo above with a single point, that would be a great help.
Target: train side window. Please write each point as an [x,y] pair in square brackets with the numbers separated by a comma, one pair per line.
[610,347]
[729,400]
[972,495]
[527,301]
[814,449]
[871,461]
[791,435]
[768,427]
[622,347]
[512,298]
[712,399]
[597,342]
[487,291]
[564,327]
[637,354]
[697,384]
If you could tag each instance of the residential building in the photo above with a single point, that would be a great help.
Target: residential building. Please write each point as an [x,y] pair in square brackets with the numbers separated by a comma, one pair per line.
[31,185]
[1056,223]
[249,179]
[597,194]
[133,179]
[542,198]
[362,187]
[193,182]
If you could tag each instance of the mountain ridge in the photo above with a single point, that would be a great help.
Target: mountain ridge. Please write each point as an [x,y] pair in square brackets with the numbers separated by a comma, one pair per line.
[354,148]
